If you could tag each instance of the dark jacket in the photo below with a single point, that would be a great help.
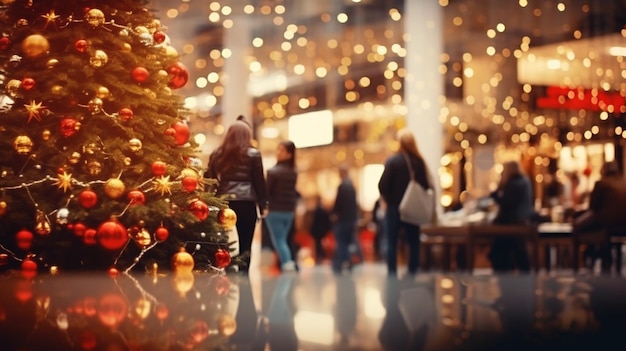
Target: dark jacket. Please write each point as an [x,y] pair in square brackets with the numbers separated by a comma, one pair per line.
[281,187]
[395,178]
[608,200]
[243,182]
[346,208]
[515,201]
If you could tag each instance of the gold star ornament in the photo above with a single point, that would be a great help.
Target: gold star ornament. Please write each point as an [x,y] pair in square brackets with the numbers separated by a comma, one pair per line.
[64,181]
[50,17]
[34,110]
[162,185]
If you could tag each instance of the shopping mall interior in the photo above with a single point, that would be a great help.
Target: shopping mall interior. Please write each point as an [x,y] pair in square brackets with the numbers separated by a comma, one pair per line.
[538,80]
[480,82]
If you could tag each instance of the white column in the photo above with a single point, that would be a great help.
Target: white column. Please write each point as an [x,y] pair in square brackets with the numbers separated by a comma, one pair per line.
[424,84]
[236,100]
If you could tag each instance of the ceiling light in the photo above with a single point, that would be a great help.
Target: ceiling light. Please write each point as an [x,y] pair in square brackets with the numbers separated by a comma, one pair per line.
[617,51]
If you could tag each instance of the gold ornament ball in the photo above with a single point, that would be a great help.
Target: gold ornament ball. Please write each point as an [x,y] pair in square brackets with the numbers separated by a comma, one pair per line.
[99,59]
[95,17]
[57,89]
[141,29]
[162,74]
[13,87]
[189,172]
[23,144]
[35,45]
[171,53]
[94,105]
[182,261]
[45,135]
[74,158]
[3,208]
[114,188]
[135,145]
[142,238]
[52,63]
[126,47]
[94,167]
[227,217]
[103,92]
[226,325]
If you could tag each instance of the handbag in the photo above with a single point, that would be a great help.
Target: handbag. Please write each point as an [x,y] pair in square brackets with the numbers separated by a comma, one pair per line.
[417,204]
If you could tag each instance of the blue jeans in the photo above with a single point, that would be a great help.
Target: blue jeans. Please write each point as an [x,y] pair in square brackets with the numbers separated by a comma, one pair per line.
[278,226]
[344,232]
[394,226]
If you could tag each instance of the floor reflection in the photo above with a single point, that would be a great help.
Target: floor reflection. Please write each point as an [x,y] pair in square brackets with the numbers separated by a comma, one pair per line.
[313,310]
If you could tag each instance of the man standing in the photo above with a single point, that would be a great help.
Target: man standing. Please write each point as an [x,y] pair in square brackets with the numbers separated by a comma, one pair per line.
[344,216]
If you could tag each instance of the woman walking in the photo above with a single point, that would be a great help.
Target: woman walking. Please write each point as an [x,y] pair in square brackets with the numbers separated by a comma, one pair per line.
[237,165]
[392,184]
[281,188]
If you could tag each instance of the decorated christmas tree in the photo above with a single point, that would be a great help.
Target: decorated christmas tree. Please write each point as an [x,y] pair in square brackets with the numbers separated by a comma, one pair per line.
[97,167]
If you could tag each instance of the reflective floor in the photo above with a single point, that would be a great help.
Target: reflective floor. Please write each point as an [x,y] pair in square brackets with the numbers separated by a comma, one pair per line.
[312,310]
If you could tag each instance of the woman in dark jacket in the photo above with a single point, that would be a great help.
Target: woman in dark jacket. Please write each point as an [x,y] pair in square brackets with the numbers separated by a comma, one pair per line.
[514,197]
[281,188]
[392,184]
[238,168]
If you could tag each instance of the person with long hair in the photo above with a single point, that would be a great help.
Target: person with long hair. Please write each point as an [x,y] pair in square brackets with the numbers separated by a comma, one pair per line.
[514,196]
[237,166]
[283,196]
[392,184]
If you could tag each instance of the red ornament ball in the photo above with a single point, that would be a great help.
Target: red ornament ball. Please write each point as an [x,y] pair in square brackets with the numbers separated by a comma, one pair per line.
[29,268]
[112,235]
[5,43]
[24,239]
[182,132]
[90,237]
[222,258]
[28,83]
[158,37]
[189,183]
[199,209]
[81,45]
[126,114]
[179,75]
[159,168]
[161,234]
[4,259]
[88,198]
[140,74]
[113,272]
[68,127]
[136,197]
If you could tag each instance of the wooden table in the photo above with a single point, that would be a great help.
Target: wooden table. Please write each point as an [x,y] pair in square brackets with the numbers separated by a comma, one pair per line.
[469,235]
[554,236]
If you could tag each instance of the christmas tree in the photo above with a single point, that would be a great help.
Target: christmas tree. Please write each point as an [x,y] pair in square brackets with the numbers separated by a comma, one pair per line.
[97,168]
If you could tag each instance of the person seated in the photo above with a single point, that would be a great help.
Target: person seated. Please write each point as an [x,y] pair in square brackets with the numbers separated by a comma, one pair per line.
[605,216]
[514,197]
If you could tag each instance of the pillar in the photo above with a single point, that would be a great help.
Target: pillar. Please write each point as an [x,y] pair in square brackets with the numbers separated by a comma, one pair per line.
[236,99]
[424,84]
